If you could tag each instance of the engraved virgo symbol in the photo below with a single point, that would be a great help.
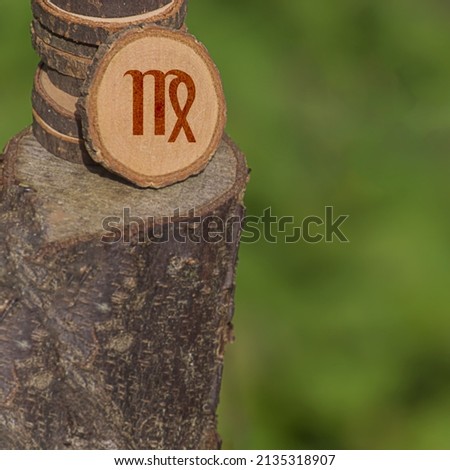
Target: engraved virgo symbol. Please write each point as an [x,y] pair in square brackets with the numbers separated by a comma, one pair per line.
[180,78]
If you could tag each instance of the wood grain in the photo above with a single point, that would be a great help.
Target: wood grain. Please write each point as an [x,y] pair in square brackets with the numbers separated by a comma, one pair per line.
[95,31]
[112,345]
[167,114]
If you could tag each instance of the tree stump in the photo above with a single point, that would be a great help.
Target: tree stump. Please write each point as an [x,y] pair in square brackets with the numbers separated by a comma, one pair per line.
[108,344]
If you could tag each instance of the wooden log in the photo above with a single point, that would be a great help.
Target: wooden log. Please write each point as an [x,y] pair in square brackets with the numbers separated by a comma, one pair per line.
[95,31]
[108,344]
[70,85]
[56,107]
[159,146]
[109,8]
[66,45]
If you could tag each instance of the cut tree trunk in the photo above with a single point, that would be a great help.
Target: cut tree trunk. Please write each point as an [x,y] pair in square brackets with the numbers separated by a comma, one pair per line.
[108,344]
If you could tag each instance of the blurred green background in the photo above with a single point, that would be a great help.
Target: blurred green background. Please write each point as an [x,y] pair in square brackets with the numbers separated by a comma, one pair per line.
[343,103]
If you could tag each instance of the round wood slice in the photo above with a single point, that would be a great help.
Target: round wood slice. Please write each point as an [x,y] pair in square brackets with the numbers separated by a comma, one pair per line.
[109,8]
[54,106]
[70,85]
[76,48]
[153,108]
[66,45]
[61,146]
[94,30]
[63,62]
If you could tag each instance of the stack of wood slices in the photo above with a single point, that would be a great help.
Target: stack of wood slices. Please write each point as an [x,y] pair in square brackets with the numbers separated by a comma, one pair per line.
[67,35]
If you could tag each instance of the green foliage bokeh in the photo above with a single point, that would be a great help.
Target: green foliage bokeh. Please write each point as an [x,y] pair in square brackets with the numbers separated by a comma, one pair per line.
[343,103]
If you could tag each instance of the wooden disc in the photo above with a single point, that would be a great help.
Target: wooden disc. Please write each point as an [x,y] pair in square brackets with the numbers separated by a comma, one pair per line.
[153,109]
[66,45]
[94,30]
[54,106]
[110,8]
[70,85]
[76,48]
[64,62]
[61,146]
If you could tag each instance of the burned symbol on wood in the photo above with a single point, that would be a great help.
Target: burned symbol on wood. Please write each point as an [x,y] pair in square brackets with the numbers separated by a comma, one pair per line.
[160,102]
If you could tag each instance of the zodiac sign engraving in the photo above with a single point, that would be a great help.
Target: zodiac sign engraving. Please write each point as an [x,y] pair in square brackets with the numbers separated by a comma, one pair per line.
[180,78]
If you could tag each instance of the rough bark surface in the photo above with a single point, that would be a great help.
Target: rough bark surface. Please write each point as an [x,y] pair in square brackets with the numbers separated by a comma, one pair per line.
[110,8]
[112,345]
[62,146]
[70,85]
[64,62]
[76,48]
[51,107]
[94,30]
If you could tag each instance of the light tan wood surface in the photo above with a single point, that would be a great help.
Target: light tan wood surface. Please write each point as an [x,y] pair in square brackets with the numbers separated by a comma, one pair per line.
[153,110]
